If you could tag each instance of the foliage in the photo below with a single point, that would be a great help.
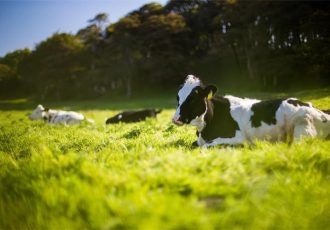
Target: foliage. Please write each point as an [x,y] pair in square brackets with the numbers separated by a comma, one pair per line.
[242,44]
[14,58]
[99,19]
[146,176]
[5,72]
[55,64]
[10,78]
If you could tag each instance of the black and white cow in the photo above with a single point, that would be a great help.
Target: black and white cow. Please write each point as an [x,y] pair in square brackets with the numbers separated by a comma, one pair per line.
[232,120]
[133,116]
[58,116]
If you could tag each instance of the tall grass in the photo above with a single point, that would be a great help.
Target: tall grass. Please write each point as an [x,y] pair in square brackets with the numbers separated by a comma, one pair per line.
[147,176]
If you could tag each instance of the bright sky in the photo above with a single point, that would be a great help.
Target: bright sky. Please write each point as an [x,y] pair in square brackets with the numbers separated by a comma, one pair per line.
[25,23]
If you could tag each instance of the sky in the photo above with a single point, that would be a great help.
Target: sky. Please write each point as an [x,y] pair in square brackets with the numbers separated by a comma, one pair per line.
[25,23]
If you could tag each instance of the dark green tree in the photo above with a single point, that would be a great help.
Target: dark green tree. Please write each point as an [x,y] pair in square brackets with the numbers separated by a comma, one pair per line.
[53,69]
[10,78]
[99,19]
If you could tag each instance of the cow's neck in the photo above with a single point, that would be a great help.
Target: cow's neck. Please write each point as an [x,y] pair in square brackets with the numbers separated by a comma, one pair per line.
[209,111]
[218,120]
[201,121]
[47,117]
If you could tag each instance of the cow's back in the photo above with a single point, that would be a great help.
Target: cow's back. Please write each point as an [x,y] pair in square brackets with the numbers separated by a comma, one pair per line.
[265,120]
[274,120]
[65,117]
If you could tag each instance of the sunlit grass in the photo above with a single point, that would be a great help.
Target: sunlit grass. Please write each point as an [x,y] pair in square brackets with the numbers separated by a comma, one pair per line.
[147,176]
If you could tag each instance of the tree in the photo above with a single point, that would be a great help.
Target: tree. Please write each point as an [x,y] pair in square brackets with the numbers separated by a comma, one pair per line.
[52,69]
[99,20]
[90,35]
[5,73]
[13,59]
[125,48]
[251,43]
[147,10]
[10,78]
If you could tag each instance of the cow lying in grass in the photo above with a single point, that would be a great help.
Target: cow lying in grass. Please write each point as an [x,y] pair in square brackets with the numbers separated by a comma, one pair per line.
[230,120]
[58,116]
[132,116]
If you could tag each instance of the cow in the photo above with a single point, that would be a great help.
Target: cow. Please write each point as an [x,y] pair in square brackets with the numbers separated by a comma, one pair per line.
[58,116]
[230,120]
[133,116]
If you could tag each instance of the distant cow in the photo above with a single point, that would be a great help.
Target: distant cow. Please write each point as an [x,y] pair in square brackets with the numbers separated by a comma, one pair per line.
[232,120]
[133,116]
[57,116]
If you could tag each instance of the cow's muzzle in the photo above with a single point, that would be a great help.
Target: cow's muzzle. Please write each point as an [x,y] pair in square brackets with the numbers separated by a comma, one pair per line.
[177,122]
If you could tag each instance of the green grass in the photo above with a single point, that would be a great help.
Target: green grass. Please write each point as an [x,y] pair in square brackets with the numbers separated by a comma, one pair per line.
[146,175]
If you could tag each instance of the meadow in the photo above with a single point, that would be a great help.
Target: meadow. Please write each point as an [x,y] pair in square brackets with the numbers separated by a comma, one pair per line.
[147,176]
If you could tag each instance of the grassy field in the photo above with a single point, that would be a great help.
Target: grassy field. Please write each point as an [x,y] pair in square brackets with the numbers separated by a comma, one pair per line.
[147,175]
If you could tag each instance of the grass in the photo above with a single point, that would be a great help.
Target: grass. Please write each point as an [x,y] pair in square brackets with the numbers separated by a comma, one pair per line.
[147,176]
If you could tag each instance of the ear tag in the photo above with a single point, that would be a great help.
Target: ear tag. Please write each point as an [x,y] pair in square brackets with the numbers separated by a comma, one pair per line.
[210,95]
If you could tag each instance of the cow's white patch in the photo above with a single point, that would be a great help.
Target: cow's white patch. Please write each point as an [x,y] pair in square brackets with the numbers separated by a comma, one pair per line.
[237,139]
[190,83]
[120,116]
[199,122]
[200,140]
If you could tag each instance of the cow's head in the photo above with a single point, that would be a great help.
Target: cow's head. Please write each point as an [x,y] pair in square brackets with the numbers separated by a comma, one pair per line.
[38,113]
[192,101]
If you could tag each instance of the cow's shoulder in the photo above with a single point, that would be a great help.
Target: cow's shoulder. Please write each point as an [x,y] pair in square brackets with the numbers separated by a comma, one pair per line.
[219,121]
[240,101]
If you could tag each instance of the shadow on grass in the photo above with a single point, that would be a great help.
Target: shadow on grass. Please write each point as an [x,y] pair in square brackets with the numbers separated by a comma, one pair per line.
[161,101]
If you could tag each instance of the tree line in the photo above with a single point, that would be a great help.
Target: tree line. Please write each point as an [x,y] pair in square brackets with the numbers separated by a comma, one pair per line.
[261,44]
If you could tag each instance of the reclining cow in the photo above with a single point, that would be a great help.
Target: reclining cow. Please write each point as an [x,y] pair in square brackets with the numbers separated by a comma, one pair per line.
[133,116]
[58,116]
[230,120]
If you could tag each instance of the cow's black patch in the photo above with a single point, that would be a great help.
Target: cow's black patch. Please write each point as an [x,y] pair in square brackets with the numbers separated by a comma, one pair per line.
[219,122]
[326,111]
[50,117]
[194,144]
[328,137]
[297,103]
[133,116]
[265,111]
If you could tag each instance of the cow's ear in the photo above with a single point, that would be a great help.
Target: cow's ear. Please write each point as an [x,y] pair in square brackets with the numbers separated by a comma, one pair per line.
[209,91]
